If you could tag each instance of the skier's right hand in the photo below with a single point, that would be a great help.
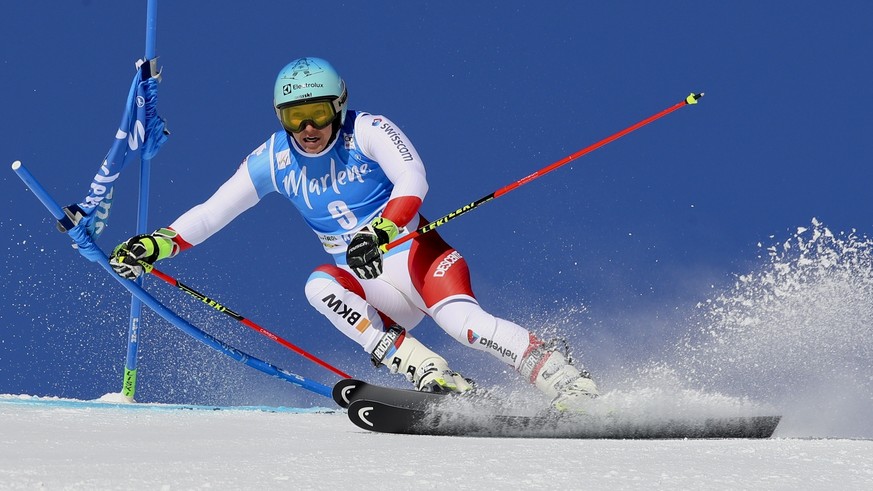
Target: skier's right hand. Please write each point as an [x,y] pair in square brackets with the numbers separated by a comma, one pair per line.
[128,257]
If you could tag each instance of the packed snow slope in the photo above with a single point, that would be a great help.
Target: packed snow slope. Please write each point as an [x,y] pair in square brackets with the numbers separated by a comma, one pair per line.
[55,444]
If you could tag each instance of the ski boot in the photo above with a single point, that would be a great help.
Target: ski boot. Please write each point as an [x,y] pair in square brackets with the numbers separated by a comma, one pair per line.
[552,372]
[428,371]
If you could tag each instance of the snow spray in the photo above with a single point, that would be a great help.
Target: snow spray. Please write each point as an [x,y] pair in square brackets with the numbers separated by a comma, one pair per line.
[797,333]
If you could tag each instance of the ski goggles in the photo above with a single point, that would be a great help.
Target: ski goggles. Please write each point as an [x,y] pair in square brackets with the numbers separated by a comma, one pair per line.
[319,114]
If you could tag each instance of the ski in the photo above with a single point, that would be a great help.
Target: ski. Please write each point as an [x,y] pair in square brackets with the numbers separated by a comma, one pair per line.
[349,390]
[387,418]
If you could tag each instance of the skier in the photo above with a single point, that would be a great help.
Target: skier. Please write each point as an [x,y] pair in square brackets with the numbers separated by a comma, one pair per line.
[358,182]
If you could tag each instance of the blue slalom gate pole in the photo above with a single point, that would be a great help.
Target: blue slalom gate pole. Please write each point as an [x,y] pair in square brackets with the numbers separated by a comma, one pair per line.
[128,388]
[90,250]
[151,28]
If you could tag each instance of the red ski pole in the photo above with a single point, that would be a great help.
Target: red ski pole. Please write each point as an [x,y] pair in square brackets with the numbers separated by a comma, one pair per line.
[691,99]
[221,308]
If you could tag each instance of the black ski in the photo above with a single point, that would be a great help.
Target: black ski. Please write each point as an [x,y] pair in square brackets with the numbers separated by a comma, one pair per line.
[386,418]
[349,390]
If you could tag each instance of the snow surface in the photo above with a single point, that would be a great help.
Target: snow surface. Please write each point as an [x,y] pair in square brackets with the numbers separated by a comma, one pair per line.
[59,444]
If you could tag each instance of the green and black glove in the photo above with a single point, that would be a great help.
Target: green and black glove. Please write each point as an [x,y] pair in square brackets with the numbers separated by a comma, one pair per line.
[364,255]
[126,259]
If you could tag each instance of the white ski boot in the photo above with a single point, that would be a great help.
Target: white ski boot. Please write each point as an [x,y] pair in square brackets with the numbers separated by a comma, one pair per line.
[428,371]
[552,372]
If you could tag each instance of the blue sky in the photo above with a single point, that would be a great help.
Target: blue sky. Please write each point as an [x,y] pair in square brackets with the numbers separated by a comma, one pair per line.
[609,250]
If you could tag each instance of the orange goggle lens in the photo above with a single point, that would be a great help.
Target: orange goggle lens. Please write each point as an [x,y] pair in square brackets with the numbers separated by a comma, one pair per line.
[318,114]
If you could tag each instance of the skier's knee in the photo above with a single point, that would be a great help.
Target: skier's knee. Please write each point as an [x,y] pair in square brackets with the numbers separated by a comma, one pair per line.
[324,277]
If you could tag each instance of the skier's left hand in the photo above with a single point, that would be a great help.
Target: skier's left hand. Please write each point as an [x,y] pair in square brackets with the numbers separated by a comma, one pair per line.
[364,255]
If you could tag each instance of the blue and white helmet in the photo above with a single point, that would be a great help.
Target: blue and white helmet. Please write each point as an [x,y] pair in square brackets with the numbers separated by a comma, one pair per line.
[310,79]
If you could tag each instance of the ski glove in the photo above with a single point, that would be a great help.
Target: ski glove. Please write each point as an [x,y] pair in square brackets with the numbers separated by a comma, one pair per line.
[128,257]
[364,255]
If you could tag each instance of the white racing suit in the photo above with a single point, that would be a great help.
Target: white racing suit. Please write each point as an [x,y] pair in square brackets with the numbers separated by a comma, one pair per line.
[370,169]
